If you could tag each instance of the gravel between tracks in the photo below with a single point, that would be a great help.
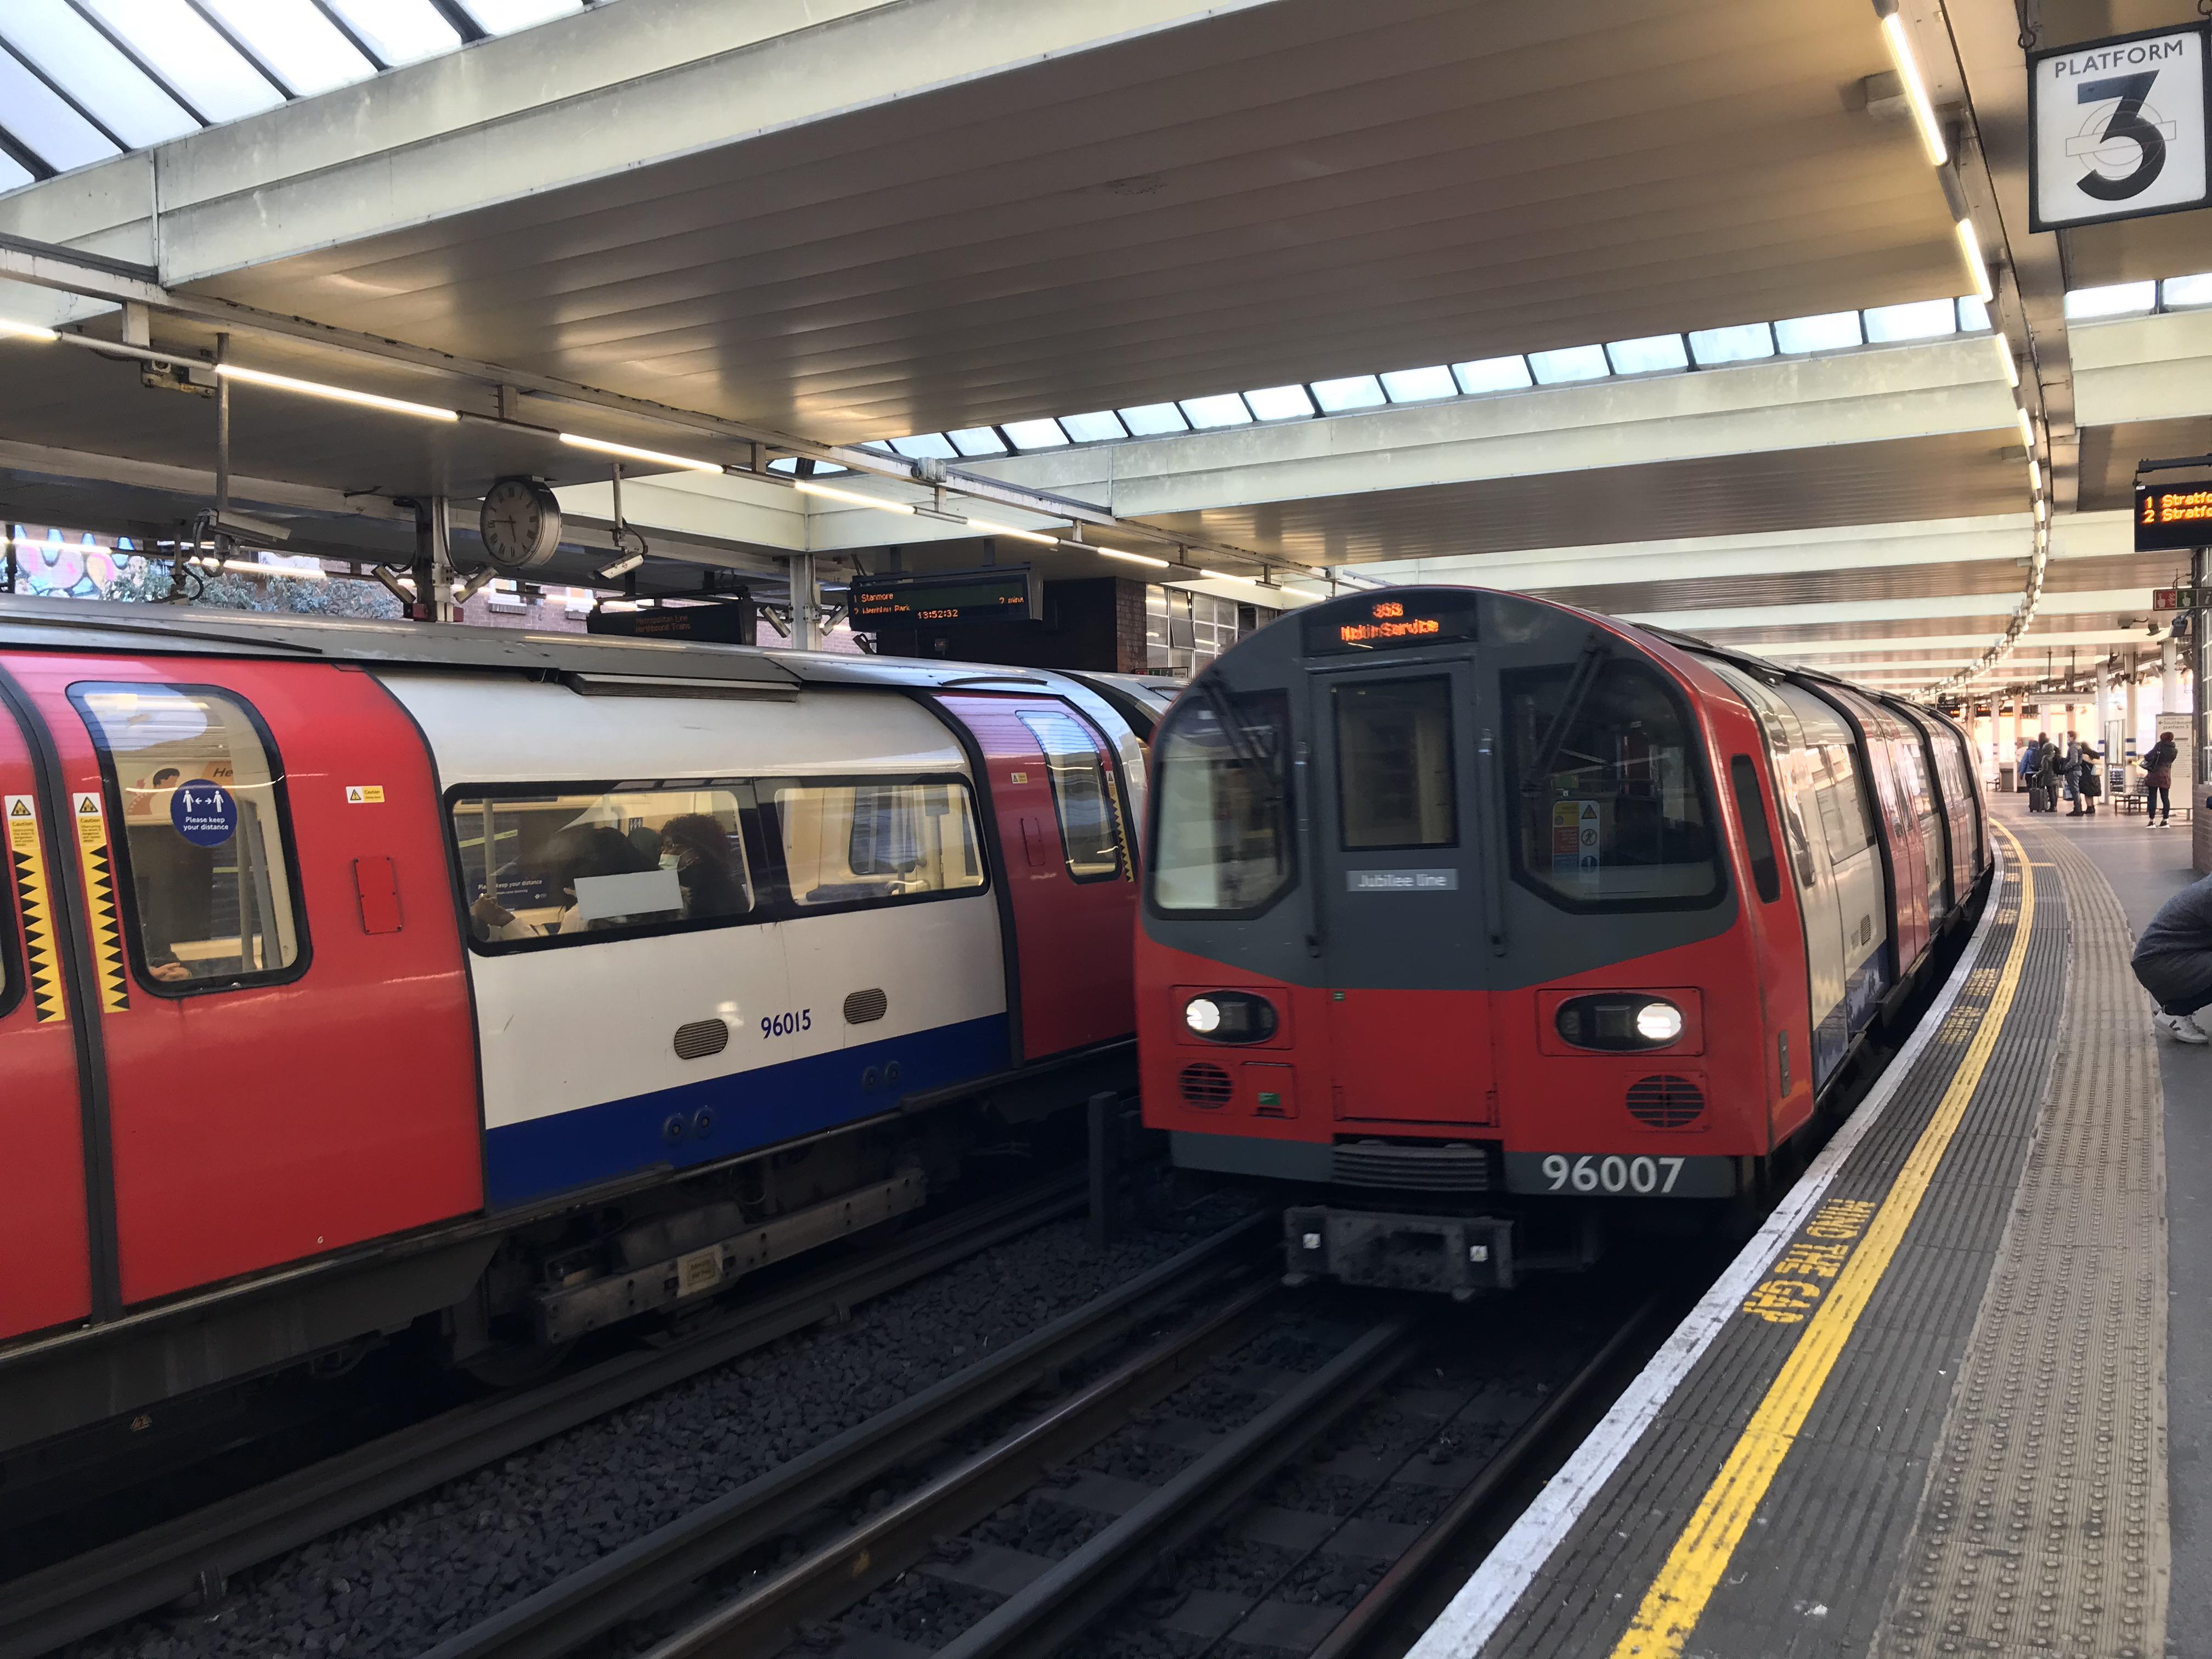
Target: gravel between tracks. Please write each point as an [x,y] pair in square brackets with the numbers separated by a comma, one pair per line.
[391,1586]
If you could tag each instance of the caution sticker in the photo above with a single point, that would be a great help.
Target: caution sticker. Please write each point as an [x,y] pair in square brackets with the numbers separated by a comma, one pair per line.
[26,858]
[92,854]
[364,794]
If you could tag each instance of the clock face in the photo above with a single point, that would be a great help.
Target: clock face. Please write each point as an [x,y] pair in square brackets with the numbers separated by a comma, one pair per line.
[520,524]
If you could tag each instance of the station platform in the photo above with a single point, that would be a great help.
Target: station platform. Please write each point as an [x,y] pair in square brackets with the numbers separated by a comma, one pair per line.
[1925,1412]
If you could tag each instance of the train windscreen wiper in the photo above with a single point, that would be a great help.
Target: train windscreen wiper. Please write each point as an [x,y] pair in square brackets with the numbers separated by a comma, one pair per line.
[1587,668]
[1241,745]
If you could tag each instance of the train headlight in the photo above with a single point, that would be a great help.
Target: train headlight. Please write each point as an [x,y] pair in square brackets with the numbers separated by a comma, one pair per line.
[1230,1017]
[1620,1020]
[1658,1022]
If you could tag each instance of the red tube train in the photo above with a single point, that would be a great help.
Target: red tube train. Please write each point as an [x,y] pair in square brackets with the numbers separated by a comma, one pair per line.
[1485,921]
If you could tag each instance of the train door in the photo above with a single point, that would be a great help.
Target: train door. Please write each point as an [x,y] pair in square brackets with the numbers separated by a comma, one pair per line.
[1399,889]
[44,1234]
[1070,878]
[289,1062]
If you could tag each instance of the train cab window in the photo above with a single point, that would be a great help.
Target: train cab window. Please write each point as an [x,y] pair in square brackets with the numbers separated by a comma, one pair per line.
[204,851]
[851,843]
[1605,789]
[1395,780]
[1222,844]
[1758,838]
[1082,796]
[579,862]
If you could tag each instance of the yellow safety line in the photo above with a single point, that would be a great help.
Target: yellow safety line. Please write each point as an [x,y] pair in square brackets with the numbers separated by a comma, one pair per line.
[1677,1598]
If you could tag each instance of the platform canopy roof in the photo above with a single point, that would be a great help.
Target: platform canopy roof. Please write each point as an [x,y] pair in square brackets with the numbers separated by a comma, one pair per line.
[970,231]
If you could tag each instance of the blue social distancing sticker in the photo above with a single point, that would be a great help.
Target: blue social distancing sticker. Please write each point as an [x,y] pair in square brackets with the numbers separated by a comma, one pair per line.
[205,813]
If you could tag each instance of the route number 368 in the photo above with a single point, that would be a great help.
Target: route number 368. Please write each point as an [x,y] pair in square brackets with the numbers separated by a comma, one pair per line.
[1612,1174]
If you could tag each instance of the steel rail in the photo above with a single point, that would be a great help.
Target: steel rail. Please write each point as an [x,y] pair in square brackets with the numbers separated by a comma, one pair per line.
[194,1554]
[566,1616]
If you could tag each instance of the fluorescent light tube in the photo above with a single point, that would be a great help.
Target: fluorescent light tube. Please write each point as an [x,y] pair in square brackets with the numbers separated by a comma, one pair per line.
[27,330]
[2027,429]
[990,527]
[632,452]
[297,573]
[1970,248]
[1916,92]
[2005,356]
[1133,558]
[335,393]
[807,487]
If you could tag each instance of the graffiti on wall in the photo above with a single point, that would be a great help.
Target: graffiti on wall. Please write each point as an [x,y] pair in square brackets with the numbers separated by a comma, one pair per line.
[65,564]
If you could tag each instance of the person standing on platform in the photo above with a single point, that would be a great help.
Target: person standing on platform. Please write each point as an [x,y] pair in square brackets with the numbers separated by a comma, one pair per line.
[2174,961]
[2158,782]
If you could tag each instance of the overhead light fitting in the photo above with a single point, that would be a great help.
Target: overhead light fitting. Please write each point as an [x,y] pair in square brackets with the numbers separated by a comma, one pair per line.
[621,566]
[26,331]
[2027,429]
[2005,356]
[1969,246]
[632,452]
[299,573]
[1224,576]
[807,487]
[2041,508]
[1110,553]
[2034,473]
[335,393]
[1916,91]
[989,527]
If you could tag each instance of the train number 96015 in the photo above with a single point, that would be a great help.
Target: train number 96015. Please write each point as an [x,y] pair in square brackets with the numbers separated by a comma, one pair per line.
[776,1025]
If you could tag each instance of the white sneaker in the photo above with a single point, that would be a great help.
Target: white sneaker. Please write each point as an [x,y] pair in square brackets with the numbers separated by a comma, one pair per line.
[2181,1028]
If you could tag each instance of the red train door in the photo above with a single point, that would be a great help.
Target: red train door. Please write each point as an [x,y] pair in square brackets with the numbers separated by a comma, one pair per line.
[1401,888]
[1063,835]
[44,1234]
[288,1061]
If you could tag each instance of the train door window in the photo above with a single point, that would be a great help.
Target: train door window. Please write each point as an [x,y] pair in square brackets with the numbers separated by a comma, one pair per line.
[1785,755]
[867,842]
[1605,789]
[1843,803]
[1396,785]
[1759,840]
[205,851]
[1082,796]
[1222,843]
[578,862]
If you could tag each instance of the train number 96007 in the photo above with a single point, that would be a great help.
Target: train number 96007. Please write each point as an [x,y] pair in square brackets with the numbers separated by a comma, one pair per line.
[1623,1175]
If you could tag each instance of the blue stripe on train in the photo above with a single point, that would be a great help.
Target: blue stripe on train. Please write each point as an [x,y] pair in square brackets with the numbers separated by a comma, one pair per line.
[748,1110]
[1863,993]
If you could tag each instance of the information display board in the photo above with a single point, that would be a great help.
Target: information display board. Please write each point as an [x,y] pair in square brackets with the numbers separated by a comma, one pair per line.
[998,594]
[1392,622]
[2117,128]
[2173,518]
[726,622]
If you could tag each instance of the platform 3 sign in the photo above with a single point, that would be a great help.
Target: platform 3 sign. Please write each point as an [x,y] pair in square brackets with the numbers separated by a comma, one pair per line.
[2117,128]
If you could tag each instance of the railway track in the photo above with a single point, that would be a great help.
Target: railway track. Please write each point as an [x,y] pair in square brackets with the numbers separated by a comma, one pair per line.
[194,1555]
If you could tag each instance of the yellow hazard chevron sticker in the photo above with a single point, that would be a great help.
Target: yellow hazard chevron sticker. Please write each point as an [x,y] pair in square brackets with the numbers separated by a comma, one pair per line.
[26,858]
[100,898]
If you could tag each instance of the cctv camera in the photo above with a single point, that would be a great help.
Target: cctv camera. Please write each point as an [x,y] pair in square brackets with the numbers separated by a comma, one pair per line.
[242,528]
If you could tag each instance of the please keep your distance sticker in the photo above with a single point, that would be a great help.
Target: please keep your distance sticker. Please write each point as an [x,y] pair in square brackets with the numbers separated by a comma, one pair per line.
[205,813]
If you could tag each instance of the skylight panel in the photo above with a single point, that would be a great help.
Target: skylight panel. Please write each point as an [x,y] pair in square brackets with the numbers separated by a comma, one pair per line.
[1151,420]
[1279,403]
[12,175]
[1570,363]
[1829,331]
[190,56]
[926,447]
[1493,374]
[1973,315]
[978,441]
[2189,290]
[1648,355]
[29,110]
[1093,429]
[1226,409]
[1358,392]
[2120,300]
[399,31]
[300,46]
[1034,434]
[87,65]
[1419,386]
[505,16]
[1738,344]
[1918,319]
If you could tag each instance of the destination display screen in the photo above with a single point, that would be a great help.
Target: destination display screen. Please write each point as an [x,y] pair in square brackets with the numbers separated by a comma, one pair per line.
[2173,518]
[1392,622]
[951,595]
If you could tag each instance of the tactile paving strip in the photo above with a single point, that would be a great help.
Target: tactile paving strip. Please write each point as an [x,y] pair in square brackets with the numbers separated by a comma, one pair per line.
[2042,1528]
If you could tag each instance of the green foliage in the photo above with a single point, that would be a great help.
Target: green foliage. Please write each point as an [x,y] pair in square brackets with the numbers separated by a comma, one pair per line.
[147,581]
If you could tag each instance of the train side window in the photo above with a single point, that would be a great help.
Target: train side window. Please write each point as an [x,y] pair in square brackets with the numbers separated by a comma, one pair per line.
[860,842]
[586,860]
[204,850]
[1221,842]
[1395,784]
[1082,796]
[1759,839]
[1606,790]
[1842,804]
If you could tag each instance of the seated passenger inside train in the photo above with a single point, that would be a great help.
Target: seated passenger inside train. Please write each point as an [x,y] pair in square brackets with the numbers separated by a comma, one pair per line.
[586,865]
